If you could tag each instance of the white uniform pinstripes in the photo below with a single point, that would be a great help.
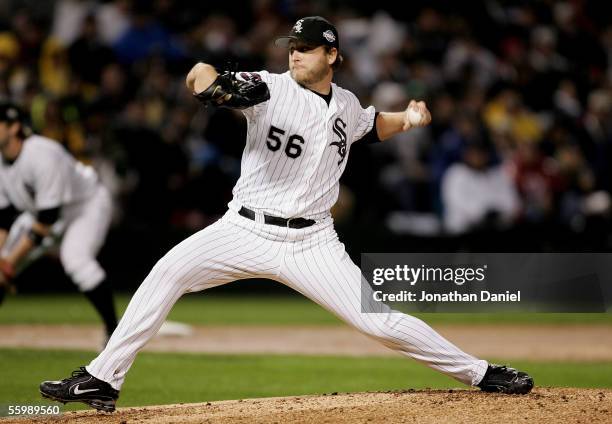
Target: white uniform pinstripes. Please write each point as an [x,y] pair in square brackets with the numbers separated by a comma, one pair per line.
[307,185]
[45,176]
[310,260]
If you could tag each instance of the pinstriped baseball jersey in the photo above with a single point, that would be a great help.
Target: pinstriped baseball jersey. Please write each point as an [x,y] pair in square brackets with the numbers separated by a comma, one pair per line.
[297,148]
[44,176]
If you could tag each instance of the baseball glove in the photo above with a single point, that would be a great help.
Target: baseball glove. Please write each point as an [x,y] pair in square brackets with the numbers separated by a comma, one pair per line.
[228,91]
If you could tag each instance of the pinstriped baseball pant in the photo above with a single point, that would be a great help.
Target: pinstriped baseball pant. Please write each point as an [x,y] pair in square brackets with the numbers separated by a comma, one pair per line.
[311,261]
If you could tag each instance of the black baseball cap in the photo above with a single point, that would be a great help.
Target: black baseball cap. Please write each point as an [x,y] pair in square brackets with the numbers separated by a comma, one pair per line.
[9,112]
[312,30]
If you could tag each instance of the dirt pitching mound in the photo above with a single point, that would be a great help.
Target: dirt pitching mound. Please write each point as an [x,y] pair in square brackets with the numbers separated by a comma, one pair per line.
[565,405]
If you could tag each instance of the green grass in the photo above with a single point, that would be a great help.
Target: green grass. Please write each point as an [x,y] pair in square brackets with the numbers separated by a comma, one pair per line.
[158,378]
[219,309]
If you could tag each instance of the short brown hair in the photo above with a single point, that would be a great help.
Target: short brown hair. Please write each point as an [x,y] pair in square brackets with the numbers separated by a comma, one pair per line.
[339,59]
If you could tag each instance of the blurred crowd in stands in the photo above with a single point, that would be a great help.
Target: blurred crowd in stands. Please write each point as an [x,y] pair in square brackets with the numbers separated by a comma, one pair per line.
[520,93]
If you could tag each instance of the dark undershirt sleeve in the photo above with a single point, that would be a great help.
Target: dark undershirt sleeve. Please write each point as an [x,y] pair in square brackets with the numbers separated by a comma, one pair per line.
[7,217]
[48,216]
[372,136]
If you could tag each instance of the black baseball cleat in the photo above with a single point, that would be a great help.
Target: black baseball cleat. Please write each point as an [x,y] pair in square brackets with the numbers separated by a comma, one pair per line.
[81,387]
[501,379]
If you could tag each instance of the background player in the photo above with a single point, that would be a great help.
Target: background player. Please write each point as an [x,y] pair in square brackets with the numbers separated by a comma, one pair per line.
[56,196]
[300,129]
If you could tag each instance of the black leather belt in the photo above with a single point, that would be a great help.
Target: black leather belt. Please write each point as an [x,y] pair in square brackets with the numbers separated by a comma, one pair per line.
[278,221]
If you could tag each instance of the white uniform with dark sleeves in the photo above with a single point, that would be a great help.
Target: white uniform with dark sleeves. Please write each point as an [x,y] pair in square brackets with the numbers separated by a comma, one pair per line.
[44,176]
[297,147]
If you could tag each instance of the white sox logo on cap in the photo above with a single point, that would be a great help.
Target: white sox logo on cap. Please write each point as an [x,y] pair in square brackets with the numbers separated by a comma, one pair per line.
[312,30]
[297,28]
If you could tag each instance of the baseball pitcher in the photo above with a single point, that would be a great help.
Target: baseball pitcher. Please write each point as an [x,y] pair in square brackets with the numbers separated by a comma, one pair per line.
[301,127]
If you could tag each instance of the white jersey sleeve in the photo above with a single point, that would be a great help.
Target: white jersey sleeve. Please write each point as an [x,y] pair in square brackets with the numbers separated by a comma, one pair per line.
[51,181]
[364,118]
[4,200]
[253,111]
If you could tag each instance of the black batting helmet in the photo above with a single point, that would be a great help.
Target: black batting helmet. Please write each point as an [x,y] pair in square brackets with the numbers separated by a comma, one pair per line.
[10,113]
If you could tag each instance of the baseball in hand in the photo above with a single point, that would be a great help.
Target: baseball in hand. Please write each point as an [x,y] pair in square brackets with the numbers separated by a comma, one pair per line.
[415,117]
